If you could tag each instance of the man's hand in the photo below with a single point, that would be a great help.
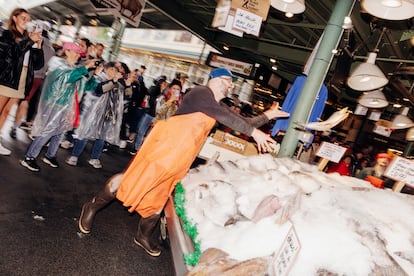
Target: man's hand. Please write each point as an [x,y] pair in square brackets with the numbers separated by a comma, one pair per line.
[275,112]
[265,143]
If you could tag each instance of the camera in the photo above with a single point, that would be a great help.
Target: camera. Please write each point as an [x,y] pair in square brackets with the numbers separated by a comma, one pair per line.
[98,62]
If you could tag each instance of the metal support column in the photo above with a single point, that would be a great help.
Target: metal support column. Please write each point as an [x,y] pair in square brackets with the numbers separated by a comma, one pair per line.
[316,76]
[119,28]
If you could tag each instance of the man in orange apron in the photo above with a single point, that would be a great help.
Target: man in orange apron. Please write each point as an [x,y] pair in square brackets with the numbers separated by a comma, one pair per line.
[168,152]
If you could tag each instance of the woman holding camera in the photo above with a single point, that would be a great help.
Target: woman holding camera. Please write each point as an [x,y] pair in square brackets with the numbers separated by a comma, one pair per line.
[20,55]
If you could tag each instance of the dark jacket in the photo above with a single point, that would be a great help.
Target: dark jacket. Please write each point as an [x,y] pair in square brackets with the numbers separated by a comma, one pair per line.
[153,92]
[11,60]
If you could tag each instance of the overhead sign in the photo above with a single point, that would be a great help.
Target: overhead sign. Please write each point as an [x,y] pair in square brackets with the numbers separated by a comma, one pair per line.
[235,66]
[240,16]
[401,169]
[247,22]
[129,10]
[259,7]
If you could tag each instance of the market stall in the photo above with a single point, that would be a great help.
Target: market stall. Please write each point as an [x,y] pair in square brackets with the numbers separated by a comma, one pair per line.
[262,215]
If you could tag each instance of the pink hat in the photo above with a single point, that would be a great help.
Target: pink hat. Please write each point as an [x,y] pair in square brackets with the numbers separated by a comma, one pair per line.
[72,46]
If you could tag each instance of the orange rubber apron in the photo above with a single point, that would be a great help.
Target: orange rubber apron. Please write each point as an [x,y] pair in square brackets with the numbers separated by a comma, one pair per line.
[163,160]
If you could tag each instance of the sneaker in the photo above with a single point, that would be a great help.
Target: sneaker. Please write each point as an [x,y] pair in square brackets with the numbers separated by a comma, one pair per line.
[4,151]
[66,144]
[95,163]
[133,152]
[25,126]
[72,160]
[106,147]
[30,164]
[51,161]
[13,132]
[123,144]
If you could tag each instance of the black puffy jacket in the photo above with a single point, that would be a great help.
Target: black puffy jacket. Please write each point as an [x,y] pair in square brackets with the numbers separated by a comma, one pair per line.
[11,60]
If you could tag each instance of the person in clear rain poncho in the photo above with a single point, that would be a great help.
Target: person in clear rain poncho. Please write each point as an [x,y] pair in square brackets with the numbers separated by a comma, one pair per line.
[58,109]
[102,113]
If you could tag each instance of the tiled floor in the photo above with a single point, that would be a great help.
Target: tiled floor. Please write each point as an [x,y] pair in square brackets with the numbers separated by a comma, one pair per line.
[38,216]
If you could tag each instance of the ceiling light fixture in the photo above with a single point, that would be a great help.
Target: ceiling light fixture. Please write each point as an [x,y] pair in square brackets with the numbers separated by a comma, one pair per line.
[272,60]
[289,6]
[402,121]
[367,75]
[389,9]
[225,47]
[410,134]
[374,99]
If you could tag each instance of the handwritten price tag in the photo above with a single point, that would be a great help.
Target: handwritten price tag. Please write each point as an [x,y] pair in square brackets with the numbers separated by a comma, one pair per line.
[287,254]
[247,22]
[331,152]
[401,169]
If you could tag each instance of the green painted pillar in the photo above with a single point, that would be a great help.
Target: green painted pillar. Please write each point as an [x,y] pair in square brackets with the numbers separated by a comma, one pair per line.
[316,76]
[119,28]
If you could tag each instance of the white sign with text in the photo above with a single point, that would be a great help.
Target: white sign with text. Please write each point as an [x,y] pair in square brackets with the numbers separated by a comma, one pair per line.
[401,169]
[330,151]
[247,22]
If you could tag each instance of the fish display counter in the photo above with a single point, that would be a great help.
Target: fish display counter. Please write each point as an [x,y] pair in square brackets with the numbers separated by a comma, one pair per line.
[262,215]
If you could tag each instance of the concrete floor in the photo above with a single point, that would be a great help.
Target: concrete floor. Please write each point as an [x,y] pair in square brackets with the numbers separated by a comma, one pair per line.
[38,219]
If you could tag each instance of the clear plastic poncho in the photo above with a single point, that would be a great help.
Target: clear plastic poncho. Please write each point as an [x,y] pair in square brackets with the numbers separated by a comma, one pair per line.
[56,111]
[102,115]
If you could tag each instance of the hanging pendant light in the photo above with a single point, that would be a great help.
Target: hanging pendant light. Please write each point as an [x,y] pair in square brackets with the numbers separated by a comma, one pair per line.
[289,6]
[409,136]
[402,121]
[367,75]
[373,99]
[389,9]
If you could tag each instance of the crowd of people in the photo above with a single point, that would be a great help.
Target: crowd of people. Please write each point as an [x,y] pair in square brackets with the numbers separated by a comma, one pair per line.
[69,95]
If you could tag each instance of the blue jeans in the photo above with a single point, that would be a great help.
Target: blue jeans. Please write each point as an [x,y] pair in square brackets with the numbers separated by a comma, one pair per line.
[80,145]
[142,129]
[36,146]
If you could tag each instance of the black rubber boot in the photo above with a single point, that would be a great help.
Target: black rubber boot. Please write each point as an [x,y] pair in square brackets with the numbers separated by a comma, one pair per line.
[145,235]
[90,208]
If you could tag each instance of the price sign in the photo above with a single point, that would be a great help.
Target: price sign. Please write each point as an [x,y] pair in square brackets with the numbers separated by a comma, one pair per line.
[331,152]
[401,169]
[247,22]
[287,254]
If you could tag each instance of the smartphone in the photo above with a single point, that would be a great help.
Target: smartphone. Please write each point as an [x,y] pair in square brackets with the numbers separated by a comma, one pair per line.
[38,28]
